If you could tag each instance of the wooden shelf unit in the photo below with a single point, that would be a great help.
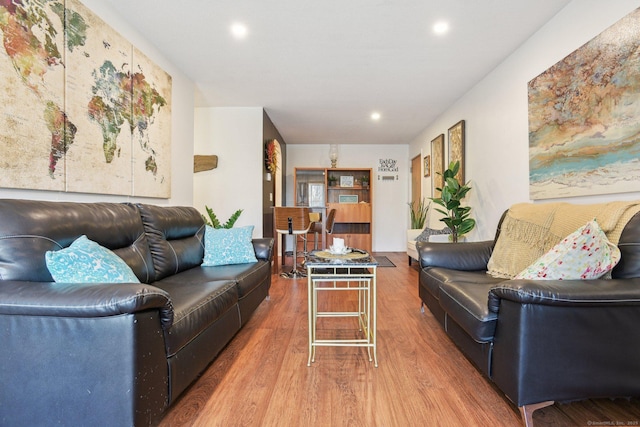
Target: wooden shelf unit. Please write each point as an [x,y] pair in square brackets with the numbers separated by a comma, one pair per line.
[353,220]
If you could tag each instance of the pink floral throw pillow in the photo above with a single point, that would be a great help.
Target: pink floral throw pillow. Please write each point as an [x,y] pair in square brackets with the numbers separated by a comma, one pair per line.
[584,254]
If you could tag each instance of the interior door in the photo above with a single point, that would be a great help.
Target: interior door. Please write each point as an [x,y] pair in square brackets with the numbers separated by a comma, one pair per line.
[416,180]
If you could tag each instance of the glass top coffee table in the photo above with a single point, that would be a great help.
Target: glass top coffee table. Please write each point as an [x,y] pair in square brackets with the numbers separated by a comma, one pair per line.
[354,271]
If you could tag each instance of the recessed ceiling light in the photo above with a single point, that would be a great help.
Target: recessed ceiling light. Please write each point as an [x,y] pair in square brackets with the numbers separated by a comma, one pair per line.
[239,30]
[375,116]
[441,27]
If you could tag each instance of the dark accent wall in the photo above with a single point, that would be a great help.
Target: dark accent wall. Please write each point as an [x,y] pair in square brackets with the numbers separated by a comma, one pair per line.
[270,132]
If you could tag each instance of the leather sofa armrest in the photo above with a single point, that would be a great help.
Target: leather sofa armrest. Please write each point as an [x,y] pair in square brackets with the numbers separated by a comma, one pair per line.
[263,248]
[83,300]
[471,256]
[599,292]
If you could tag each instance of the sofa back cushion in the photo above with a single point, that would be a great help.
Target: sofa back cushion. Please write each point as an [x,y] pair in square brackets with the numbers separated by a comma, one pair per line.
[629,245]
[28,229]
[176,236]
[531,230]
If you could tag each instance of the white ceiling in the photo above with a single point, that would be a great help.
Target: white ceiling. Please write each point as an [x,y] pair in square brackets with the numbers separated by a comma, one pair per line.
[320,68]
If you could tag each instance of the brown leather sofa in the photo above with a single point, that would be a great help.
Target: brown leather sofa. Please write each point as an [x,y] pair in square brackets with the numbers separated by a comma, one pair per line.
[113,354]
[539,341]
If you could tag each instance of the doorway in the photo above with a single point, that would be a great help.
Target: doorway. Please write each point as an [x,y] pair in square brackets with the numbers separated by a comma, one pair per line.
[416,180]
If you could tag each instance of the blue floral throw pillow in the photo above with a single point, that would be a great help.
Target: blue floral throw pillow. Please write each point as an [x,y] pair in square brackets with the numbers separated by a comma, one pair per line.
[223,246]
[85,261]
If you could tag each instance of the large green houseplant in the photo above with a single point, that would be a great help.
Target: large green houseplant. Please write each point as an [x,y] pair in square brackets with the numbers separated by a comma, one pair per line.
[456,216]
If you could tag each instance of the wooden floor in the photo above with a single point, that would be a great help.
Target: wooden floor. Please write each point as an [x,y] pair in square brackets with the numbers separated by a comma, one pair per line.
[261,378]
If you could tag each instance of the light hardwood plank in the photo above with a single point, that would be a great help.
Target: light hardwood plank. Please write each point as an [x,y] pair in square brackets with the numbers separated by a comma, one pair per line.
[261,378]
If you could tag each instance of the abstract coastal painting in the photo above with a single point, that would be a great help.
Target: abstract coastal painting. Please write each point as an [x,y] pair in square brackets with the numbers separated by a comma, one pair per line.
[584,118]
[82,109]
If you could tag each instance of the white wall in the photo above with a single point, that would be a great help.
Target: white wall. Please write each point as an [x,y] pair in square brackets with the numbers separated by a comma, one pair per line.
[235,136]
[390,198]
[496,114]
[181,126]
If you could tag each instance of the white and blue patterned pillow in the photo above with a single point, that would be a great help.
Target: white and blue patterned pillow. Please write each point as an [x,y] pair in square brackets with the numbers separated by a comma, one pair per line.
[85,261]
[223,246]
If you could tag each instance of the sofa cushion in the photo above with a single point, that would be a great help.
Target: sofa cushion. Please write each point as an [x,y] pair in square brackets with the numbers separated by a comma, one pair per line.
[247,276]
[175,235]
[584,254]
[85,261]
[431,278]
[196,305]
[529,231]
[629,245]
[425,235]
[225,246]
[29,228]
[465,300]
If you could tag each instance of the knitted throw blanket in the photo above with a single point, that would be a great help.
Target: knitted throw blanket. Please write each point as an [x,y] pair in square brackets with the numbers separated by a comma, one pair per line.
[529,231]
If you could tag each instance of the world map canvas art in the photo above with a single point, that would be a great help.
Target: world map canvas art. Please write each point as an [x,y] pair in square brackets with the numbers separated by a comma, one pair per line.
[82,109]
[584,127]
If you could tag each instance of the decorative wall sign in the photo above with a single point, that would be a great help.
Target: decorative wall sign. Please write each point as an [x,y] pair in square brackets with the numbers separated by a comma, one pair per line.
[387,165]
[203,163]
[584,132]
[82,110]
[456,148]
[437,158]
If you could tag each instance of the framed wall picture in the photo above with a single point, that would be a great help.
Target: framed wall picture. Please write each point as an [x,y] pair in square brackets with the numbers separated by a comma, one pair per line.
[427,166]
[346,181]
[456,148]
[583,118]
[437,159]
[348,198]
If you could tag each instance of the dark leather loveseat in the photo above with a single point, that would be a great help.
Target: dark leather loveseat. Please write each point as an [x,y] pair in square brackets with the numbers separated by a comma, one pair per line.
[113,354]
[539,341]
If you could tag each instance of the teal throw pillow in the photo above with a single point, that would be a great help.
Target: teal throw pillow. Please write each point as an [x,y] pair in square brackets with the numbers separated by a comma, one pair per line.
[223,246]
[85,261]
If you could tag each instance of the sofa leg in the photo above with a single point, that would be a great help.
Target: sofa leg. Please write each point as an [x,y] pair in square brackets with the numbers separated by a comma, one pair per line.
[409,260]
[527,411]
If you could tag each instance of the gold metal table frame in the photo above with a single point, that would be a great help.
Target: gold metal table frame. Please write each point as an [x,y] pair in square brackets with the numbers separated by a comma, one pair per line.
[355,273]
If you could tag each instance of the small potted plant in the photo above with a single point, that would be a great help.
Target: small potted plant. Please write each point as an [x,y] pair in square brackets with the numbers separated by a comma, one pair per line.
[365,181]
[213,221]
[332,180]
[418,214]
[456,216]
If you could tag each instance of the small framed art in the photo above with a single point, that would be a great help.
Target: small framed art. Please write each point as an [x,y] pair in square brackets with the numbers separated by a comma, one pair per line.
[456,148]
[346,181]
[427,166]
[437,153]
[348,198]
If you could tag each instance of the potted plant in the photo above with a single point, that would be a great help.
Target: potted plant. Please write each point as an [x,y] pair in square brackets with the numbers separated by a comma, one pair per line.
[332,180]
[365,181]
[418,214]
[213,221]
[451,194]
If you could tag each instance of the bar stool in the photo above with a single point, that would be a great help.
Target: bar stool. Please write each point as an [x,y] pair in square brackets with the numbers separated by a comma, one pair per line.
[293,221]
[330,221]
[316,228]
